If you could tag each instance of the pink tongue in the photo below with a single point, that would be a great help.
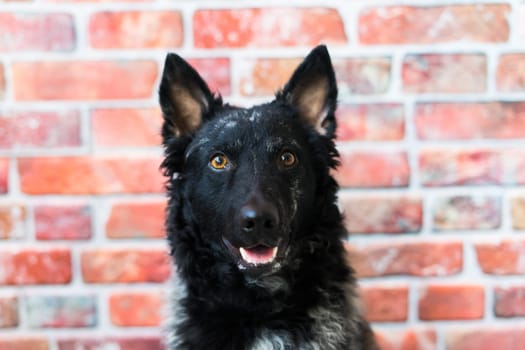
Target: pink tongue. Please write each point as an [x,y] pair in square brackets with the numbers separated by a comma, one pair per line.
[259,254]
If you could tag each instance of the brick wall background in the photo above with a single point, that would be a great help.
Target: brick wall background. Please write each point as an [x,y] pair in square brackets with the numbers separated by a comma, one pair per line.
[432,136]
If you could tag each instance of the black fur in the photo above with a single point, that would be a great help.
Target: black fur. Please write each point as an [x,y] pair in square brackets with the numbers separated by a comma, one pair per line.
[304,298]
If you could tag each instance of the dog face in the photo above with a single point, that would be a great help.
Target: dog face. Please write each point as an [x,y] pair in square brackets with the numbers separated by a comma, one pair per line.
[247,179]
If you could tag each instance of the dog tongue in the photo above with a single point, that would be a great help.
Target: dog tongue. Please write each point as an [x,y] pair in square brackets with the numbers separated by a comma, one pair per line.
[258,255]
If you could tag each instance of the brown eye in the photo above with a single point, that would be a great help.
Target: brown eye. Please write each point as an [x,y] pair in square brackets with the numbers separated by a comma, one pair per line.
[287,159]
[219,161]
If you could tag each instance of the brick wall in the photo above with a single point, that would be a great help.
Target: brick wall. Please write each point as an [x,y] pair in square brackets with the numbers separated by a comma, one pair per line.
[432,136]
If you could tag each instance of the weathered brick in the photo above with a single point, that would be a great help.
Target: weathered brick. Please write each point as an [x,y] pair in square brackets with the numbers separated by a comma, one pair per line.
[385,304]
[518,213]
[380,214]
[52,266]
[451,302]
[84,80]
[4,175]
[458,73]
[61,311]
[20,130]
[434,24]
[23,343]
[36,31]
[216,73]
[480,120]
[411,339]
[90,175]
[125,266]
[467,213]
[263,77]
[8,312]
[373,169]
[472,167]
[486,338]
[136,309]
[510,74]
[503,258]
[2,82]
[267,27]
[371,122]
[509,301]
[126,127]
[62,222]
[128,343]
[13,221]
[136,220]
[135,29]
[406,258]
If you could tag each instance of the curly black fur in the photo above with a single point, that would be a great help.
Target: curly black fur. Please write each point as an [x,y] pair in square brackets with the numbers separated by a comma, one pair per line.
[305,298]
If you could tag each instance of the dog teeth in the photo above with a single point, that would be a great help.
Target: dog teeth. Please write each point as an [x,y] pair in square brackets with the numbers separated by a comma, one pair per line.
[258,256]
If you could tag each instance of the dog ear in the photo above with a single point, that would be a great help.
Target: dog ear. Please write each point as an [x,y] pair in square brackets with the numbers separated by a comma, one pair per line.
[312,90]
[184,97]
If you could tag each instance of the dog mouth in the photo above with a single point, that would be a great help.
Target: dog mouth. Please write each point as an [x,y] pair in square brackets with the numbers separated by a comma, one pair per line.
[256,256]
[259,254]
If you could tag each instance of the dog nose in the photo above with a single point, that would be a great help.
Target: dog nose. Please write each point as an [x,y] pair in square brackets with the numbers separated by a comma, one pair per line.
[258,218]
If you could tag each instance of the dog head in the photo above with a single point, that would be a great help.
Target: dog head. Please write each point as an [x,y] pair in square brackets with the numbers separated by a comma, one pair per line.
[250,182]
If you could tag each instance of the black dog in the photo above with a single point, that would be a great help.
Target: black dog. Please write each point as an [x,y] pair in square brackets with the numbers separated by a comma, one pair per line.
[252,220]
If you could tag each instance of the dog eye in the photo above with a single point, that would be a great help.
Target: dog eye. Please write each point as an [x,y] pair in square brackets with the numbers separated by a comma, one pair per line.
[287,159]
[219,161]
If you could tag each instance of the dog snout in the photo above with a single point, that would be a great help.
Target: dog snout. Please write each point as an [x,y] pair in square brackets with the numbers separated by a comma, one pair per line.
[261,217]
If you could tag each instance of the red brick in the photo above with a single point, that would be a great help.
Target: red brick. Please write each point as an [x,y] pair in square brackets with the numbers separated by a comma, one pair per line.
[62,222]
[4,175]
[20,130]
[446,302]
[135,29]
[216,73]
[126,127]
[373,169]
[518,213]
[8,312]
[125,266]
[467,213]
[492,120]
[486,338]
[83,80]
[503,258]
[510,74]
[438,73]
[263,77]
[267,27]
[385,304]
[136,309]
[370,122]
[407,258]
[472,167]
[380,214]
[90,175]
[450,167]
[49,311]
[25,343]
[32,31]
[136,220]
[128,343]
[411,339]
[13,221]
[509,301]
[2,82]
[434,24]
[51,266]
